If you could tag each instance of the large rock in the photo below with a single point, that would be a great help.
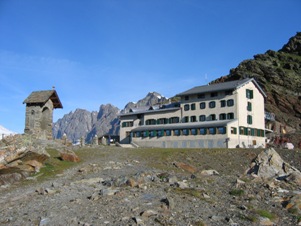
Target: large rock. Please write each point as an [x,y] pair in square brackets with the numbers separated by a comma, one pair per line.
[69,156]
[269,165]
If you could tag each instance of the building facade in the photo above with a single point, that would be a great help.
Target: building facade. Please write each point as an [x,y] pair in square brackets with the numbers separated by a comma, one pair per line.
[39,113]
[224,115]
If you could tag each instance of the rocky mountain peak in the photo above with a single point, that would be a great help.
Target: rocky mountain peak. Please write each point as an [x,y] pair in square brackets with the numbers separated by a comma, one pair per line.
[152,98]
[82,123]
[294,45]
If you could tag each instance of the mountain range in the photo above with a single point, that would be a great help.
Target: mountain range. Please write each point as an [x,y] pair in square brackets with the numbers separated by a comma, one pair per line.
[278,73]
[82,123]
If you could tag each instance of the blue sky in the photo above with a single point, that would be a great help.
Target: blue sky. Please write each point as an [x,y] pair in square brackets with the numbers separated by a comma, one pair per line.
[115,51]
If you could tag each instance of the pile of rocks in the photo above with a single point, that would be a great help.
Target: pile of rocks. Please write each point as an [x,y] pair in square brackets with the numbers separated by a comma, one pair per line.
[22,155]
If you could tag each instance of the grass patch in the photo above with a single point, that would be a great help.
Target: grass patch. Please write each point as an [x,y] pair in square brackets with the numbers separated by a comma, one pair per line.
[53,166]
[237,192]
[250,218]
[266,214]
[189,191]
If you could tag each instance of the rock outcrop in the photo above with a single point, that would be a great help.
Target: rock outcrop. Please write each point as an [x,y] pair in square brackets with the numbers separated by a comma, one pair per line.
[269,165]
[20,157]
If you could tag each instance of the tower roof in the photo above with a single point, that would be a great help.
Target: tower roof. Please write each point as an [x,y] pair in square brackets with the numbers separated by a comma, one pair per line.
[41,97]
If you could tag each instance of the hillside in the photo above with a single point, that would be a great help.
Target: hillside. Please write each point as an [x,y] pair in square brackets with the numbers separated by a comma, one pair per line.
[114,186]
[279,74]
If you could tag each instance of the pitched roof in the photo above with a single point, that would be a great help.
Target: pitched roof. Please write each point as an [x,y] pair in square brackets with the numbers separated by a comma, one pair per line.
[221,87]
[41,97]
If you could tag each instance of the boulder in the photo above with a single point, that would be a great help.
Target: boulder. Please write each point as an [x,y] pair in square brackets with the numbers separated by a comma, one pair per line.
[269,165]
[69,156]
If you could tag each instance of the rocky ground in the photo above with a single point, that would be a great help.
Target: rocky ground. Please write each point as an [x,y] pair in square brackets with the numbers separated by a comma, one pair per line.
[118,186]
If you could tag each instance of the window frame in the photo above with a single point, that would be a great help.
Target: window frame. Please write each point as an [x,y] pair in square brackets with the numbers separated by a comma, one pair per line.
[202,118]
[230,103]
[202,105]
[212,104]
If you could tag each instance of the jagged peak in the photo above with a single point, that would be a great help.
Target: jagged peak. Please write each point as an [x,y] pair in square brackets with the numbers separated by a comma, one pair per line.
[293,46]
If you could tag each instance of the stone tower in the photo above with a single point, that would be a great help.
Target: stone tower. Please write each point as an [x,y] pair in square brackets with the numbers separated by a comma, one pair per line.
[39,113]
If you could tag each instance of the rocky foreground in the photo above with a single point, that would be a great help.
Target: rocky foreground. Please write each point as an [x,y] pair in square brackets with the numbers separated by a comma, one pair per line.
[115,186]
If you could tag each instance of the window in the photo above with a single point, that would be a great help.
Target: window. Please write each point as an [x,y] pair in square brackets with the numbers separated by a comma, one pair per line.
[258,132]
[193,118]
[138,134]
[252,132]
[249,119]
[192,107]
[222,116]
[212,130]
[162,121]
[193,132]
[212,117]
[212,104]
[213,94]
[249,107]
[186,119]
[241,130]
[223,103]
[150,122]
[202,105]
[201,96]
[153,133]
[228,92]
[249,94]
[186,97]
[230,103]
[230,115]
[145,133]
[167,132]
[221,130]
[174,120]
[160,133]
[185,132]
[127,124]
[203,131]
[177,132]
[202,118]
[233,130]
[186,107]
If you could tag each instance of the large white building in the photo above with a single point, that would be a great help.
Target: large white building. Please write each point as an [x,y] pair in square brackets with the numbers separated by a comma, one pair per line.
[223,115]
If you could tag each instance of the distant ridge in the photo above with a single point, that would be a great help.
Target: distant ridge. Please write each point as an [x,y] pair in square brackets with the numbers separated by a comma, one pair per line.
[82,123]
